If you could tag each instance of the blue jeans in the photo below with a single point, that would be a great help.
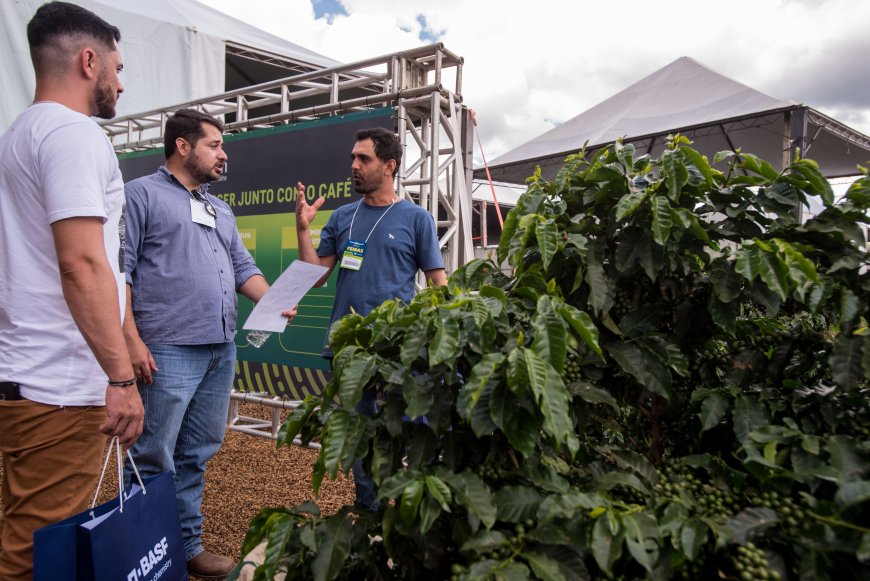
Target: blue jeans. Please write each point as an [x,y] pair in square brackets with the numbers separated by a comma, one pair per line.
[366,492]
[185,421]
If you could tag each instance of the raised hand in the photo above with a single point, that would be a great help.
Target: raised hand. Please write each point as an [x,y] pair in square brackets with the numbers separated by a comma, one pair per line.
[305,212]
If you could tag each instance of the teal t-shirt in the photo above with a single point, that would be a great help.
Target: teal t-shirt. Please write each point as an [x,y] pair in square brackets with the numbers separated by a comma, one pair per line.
[403,242]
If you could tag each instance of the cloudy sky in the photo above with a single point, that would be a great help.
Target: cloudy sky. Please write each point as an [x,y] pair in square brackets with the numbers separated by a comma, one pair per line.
[532,65]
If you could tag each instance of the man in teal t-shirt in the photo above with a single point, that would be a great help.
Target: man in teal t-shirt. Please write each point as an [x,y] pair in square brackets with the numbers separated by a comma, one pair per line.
[379,243]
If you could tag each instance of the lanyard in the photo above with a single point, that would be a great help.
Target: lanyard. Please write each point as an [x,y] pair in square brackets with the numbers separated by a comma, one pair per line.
[350,233]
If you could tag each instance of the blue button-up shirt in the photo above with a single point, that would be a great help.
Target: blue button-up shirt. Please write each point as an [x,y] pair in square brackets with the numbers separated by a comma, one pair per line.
[184,275]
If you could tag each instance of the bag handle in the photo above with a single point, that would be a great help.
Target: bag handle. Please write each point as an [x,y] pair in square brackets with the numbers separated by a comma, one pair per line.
[115,442]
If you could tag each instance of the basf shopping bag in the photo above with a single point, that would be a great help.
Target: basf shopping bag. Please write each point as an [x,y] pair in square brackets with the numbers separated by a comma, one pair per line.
[134,537]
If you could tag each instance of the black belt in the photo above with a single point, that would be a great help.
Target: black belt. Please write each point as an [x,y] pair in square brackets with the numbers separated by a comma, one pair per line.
[9,391]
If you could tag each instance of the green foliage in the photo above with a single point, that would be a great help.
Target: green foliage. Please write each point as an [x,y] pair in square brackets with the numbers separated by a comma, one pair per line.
[671,384]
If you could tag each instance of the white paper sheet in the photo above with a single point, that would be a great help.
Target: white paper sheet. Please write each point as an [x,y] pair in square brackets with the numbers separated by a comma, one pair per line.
[285,294]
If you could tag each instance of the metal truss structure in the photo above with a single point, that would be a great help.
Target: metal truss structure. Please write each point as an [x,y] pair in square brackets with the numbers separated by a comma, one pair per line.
[422,85]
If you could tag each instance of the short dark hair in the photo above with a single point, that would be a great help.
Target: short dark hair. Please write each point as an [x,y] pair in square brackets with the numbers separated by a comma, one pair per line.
[386,144]
[187,124]
[57,20]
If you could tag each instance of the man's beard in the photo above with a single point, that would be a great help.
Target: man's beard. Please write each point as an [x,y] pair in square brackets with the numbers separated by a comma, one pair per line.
[364,186]
[200,174]
[105,98]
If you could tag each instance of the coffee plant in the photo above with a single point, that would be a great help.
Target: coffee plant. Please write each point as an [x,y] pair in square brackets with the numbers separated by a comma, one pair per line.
[670,385]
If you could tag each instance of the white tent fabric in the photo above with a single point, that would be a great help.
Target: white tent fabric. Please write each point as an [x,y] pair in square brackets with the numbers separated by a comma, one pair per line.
[506,194]
[174,51]
[717,113]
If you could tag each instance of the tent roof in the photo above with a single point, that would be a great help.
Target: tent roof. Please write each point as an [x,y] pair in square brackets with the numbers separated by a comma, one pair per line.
[685,96]
[196,16]
[175,51]
[505,194]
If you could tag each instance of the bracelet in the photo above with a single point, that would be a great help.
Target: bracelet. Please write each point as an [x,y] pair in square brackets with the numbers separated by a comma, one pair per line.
[126,383]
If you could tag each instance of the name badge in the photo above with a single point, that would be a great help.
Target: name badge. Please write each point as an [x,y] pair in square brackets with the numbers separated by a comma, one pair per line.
[354,252]
[200,215]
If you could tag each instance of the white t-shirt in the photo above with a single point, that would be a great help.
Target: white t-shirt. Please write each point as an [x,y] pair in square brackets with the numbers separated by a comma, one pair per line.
[55,163]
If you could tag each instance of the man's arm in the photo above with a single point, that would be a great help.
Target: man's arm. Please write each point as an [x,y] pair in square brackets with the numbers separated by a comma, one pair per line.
[429,252]
[143,362]
[254,288]
[437,276]
[91,293]
[304,215]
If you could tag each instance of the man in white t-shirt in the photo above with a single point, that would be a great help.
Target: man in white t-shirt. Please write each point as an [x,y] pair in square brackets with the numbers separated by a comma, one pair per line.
[66,380]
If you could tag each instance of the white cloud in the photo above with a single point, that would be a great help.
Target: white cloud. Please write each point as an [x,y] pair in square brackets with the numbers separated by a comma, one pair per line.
[531,65]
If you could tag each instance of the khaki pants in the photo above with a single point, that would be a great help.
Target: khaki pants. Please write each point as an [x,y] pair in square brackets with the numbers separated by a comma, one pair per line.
[51,462]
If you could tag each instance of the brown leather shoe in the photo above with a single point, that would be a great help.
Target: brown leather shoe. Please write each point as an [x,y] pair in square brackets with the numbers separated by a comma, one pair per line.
[210,566]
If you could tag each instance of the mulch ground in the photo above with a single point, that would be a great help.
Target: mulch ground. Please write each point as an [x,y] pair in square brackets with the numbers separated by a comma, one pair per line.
[248,474]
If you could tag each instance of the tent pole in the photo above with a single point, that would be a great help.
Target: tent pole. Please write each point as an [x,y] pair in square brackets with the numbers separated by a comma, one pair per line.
[794,137]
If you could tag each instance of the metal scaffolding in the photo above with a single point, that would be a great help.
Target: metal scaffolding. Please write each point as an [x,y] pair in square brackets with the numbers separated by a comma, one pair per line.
[433,125]
[423,85]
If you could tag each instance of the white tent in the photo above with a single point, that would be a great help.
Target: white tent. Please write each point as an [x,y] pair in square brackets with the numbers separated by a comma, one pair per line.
[174,51]
[505,194]
[715,112]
